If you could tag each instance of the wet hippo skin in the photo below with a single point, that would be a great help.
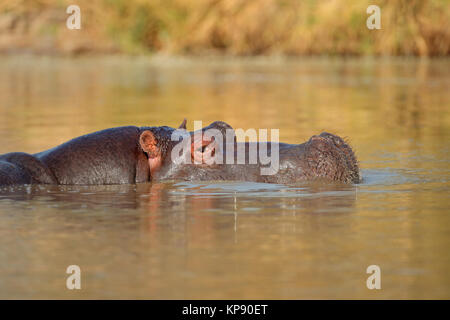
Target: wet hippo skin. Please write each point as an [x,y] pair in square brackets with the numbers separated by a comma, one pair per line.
[111,156]
[325,157]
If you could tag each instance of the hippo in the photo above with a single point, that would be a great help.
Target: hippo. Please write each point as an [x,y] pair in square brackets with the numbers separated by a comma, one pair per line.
[325,157]
[127,155]
[110,156]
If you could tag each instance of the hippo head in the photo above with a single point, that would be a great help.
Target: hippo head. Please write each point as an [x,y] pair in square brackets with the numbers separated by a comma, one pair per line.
[166,148]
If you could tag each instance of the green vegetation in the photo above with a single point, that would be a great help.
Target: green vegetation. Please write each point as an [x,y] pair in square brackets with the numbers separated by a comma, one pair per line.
[236,27]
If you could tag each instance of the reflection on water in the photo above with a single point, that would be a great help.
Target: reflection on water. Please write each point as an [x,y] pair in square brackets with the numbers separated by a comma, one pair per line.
[223,239]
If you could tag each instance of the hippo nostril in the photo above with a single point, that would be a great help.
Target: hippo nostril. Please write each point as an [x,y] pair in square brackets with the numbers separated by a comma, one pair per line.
[337,142]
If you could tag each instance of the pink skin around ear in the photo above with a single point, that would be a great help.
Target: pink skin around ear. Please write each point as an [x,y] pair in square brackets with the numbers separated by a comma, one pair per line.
[154,164]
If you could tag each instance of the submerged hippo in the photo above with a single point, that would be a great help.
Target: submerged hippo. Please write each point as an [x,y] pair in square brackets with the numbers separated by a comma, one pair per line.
[141,154]
[323,157]
[111,156]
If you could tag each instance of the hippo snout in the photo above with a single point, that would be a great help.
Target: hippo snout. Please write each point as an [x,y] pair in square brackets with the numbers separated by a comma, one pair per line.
[331,157]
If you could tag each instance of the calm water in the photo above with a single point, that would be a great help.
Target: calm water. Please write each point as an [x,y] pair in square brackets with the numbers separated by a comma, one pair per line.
[231,239]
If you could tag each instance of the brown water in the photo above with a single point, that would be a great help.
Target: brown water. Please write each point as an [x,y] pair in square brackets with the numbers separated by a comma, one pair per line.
[232,239]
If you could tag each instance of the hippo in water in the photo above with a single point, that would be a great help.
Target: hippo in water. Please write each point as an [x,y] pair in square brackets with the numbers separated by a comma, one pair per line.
[325,157]
[111,156]
[142,154]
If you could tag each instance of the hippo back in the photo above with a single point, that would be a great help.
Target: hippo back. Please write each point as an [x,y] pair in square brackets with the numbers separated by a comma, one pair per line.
[23,168]
[111,156]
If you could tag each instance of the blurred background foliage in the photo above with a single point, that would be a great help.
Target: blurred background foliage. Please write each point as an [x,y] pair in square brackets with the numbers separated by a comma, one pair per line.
[232,27]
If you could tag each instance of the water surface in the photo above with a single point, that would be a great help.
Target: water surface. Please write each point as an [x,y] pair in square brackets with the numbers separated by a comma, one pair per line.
[232,239]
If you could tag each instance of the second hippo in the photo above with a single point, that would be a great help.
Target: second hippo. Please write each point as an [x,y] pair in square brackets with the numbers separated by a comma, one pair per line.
[325,157]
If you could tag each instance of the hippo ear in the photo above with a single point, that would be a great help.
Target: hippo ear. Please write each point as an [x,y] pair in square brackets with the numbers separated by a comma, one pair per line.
[183,124]
[149,144]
